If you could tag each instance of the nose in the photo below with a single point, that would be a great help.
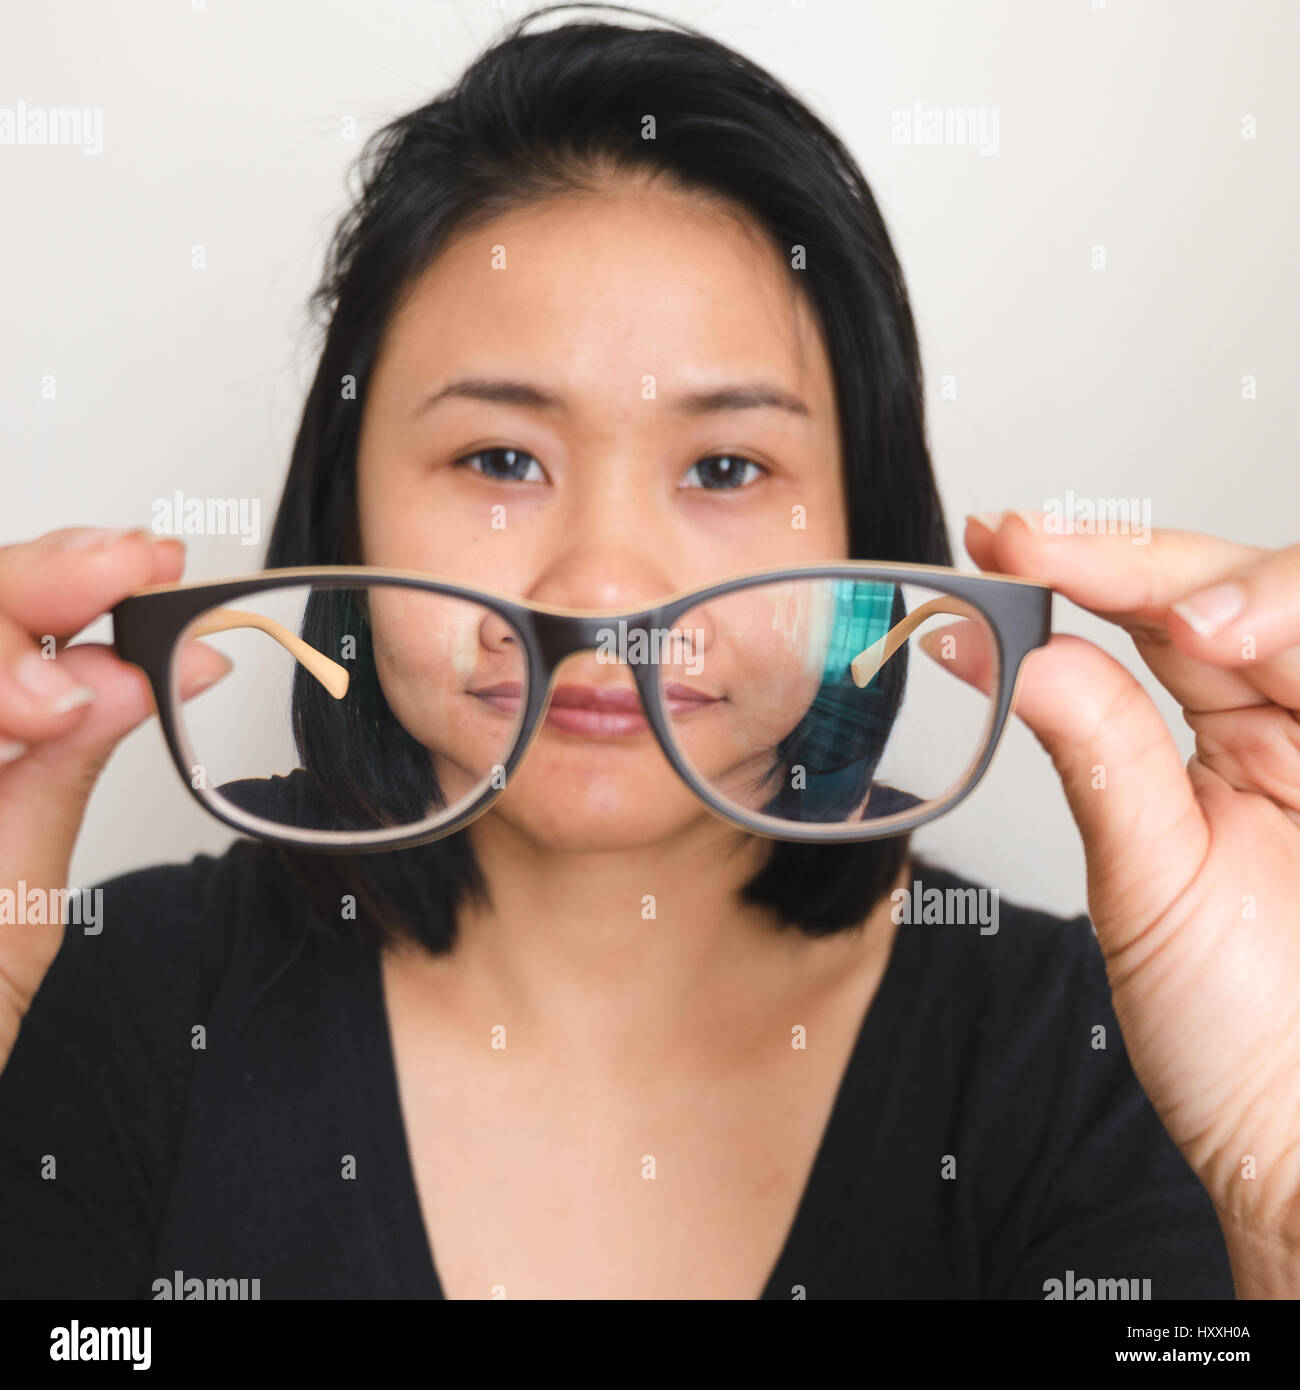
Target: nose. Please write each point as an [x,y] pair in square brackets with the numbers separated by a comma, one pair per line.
[496,635]
[606,588]
[602,576]
[614,549]
[619,589]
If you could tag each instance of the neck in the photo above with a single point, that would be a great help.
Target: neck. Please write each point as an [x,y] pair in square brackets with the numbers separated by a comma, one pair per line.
[614,949]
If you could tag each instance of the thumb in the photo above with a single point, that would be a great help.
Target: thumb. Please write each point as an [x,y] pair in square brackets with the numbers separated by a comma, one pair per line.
[43,794]
[1143,830]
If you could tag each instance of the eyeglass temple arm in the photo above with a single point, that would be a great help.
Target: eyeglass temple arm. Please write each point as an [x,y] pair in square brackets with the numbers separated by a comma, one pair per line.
[865,665]
[330,674]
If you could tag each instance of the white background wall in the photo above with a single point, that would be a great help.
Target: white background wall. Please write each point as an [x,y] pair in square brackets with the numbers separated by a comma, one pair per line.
[1119,124]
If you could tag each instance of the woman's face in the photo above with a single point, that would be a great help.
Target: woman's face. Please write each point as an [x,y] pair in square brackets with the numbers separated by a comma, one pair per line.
[538,423]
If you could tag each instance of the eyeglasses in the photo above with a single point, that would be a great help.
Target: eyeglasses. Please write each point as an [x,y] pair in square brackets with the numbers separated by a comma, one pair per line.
[374,709]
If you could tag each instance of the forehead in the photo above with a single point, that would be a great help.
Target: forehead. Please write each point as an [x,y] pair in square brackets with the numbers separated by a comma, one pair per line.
[601,290]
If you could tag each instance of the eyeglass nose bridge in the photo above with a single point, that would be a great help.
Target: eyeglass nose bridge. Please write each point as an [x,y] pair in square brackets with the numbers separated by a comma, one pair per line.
[557,636]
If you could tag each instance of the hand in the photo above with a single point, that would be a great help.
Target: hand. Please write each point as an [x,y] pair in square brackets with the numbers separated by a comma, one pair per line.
[1193,873]
[62,711]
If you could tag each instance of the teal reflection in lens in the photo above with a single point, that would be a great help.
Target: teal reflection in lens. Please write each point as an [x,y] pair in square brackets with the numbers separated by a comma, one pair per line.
[862,615]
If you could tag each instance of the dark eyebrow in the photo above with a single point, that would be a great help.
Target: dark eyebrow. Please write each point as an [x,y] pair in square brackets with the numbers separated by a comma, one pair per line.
[497,392]
[500,392]
[739,398]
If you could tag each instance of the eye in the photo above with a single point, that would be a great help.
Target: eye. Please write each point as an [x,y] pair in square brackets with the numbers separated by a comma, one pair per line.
[503,465]
[722,472]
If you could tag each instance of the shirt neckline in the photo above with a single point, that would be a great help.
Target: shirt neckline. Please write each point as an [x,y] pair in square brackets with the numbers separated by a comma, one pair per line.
[850,1141]
[843,1156]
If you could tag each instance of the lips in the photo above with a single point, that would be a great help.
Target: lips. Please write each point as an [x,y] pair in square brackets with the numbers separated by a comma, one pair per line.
[597,711]
[683,699]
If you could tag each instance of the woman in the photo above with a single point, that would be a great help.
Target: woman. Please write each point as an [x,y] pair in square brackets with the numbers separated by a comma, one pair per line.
[598,1042]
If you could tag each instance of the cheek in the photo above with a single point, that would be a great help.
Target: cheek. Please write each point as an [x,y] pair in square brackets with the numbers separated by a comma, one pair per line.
[764,650]
[766,655]
[407,514]
[438,522]
[424,642]
[402,523]
[431,651]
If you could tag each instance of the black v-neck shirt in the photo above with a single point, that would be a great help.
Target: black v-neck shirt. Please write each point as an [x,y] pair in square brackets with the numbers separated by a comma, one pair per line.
[205,1089]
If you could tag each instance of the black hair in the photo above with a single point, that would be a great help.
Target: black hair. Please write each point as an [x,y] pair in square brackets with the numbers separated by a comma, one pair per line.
[544,113]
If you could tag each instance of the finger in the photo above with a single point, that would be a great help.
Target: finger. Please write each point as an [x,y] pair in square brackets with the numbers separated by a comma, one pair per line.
[1253,750]
[1251,615]
[85,735]
[43,796]
[1123,777]
[1244,619]
[200,666]
[43,790]
[40,696]
[1111,575]
[59,583]
[1135,586]
[967,648]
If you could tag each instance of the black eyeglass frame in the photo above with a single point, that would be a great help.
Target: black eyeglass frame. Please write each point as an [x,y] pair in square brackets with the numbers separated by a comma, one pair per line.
[148,624]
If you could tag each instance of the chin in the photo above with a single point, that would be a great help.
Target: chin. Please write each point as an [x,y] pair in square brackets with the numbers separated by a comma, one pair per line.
[563,810]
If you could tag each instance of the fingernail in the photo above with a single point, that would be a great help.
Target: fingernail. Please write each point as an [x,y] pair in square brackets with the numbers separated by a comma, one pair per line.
[44,680]
[11,752]
[990,521]
[74,699]
[92,539]
[1206,613]
[1032,520]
